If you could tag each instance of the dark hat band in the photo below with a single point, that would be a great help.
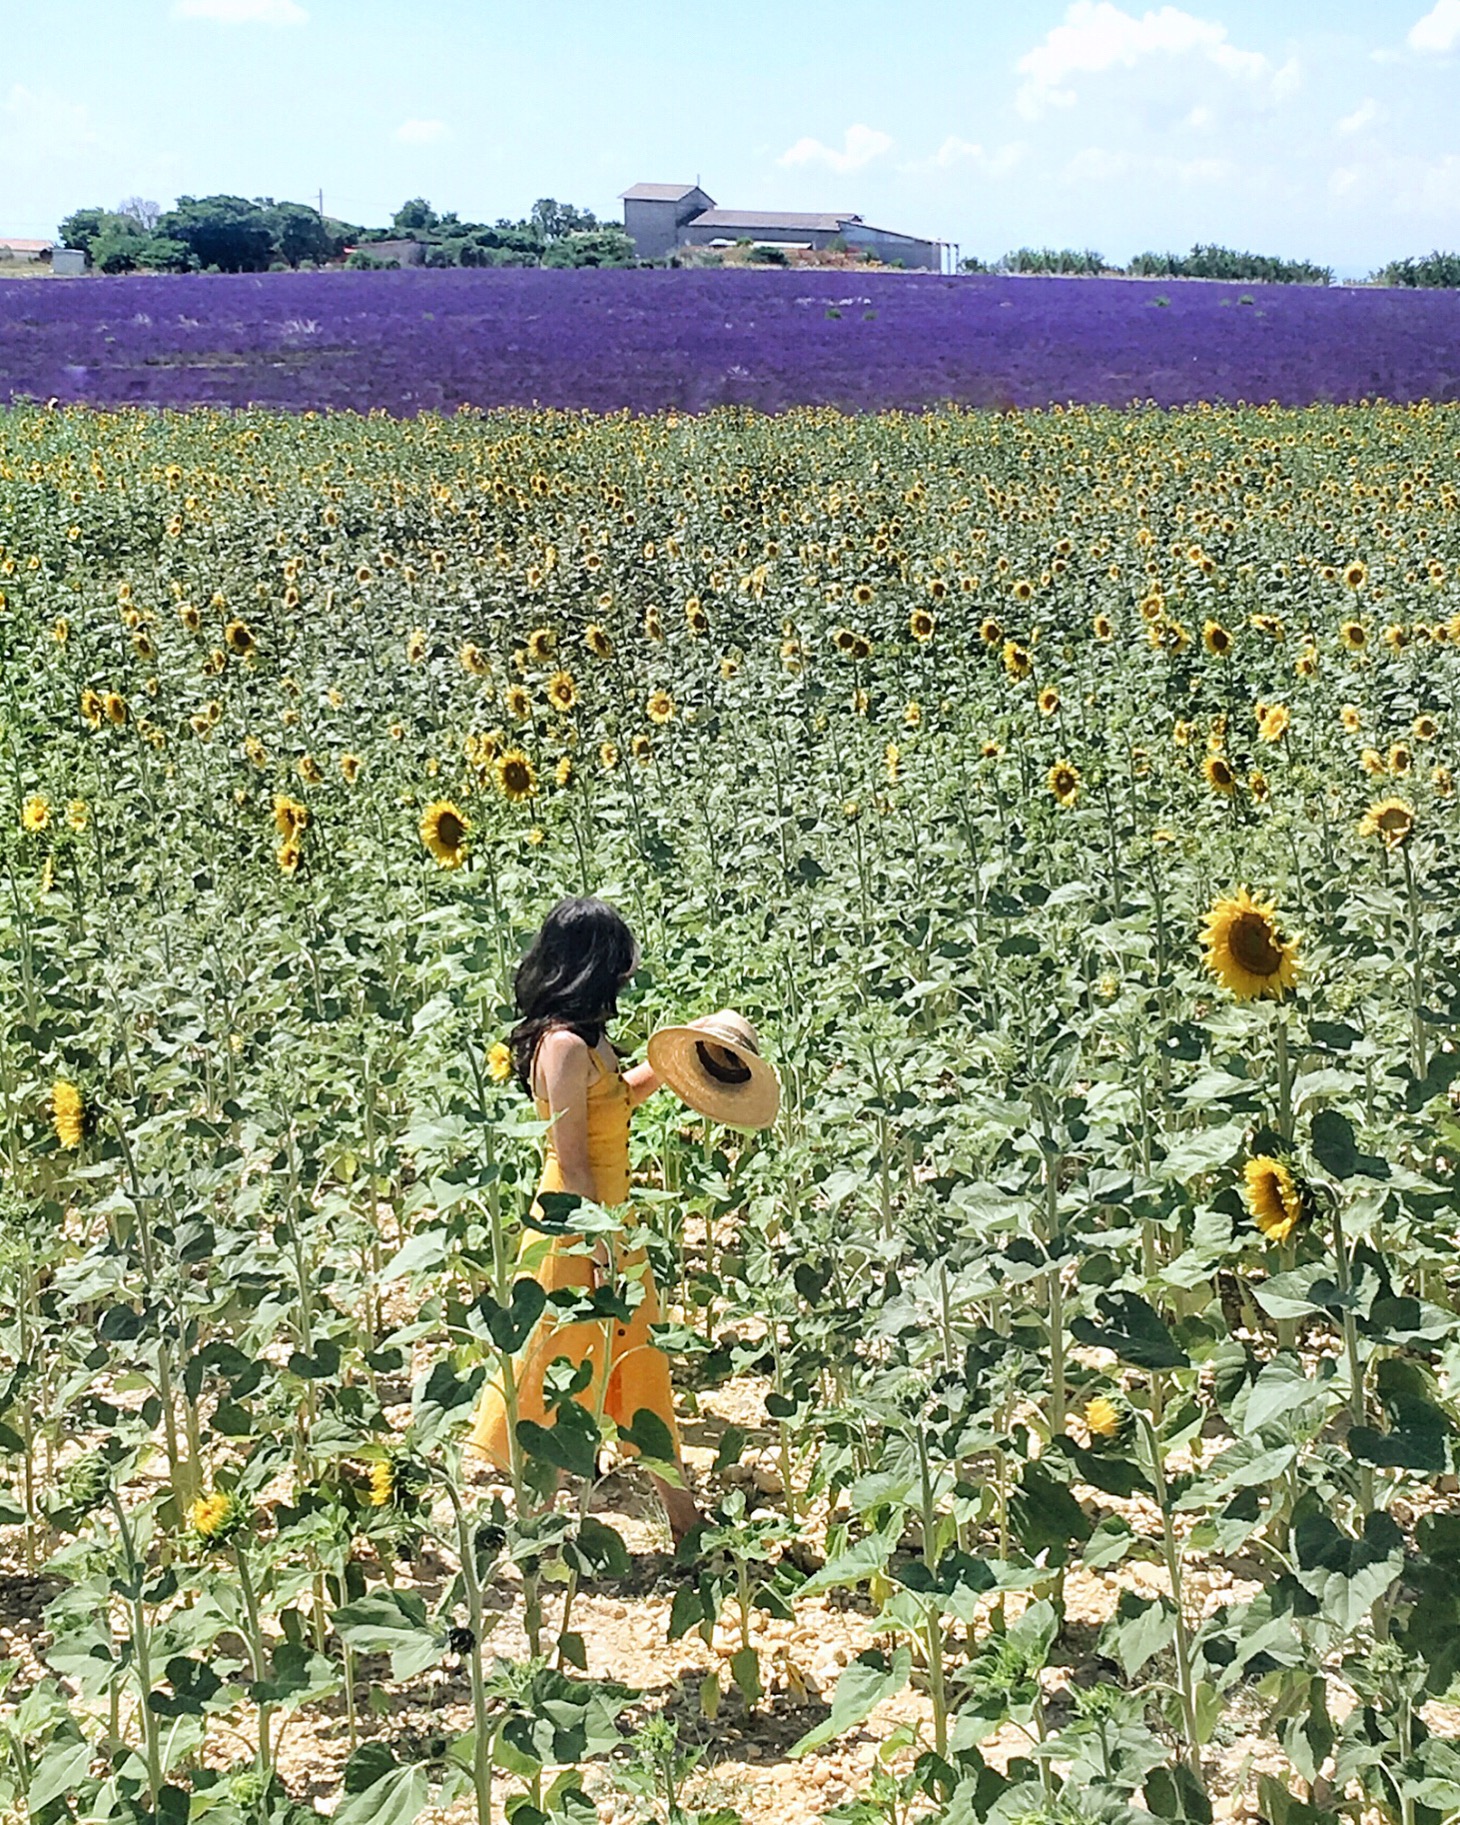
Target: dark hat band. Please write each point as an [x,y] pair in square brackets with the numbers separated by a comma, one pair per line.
[725,1070]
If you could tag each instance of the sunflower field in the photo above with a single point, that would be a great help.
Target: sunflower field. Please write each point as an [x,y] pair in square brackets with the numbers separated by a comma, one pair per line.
[1069,799]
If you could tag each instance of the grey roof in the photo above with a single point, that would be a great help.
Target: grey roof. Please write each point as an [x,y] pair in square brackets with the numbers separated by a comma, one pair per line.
[658,193]
[770,218]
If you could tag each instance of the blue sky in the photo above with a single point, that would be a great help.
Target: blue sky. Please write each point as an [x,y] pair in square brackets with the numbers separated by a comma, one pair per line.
[1326,129]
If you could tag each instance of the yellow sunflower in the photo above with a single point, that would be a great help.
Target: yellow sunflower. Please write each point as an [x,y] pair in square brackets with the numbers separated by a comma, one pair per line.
[115,706]
[1389,818]
[1425,728]
[1216,639]
[290,817]
[68,1114]
[862,595]
[922,624]
[1048,701]
[350,768]
[1219,774]
[499,1063]
[35,814]
[474,660]
[1354,635]
[607,756]
[596,639]
[660,708]
[444,831]
[1273,1197]
[542,643]
[642,749]
[1063,780]
[1355,575]
[93,707]
[1351,717]
[516,776]
[1246,949]
[288,855]
[697,621]
[564,773]
[990,631]
[1274,723]
[238,638]
[1017,662]
[562,692]
[1102,627]
[1401,759]
[1372,761]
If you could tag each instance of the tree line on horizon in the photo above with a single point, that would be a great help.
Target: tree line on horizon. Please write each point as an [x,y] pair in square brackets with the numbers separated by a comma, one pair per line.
[235,234]
[1209,261]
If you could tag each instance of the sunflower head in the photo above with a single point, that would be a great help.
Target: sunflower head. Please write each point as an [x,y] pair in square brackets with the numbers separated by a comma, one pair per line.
[990,631]
[1355,575]
[1274,723]
[35,814]
[1048,700]
[499,1063]
[216,1518]
[1109,1419]
[444,832]
[1401,759]
[1277,1203]
[607,756]
[1352,718]
[68,1113]
[1425,728]
[516,776]
[1017,662]
[1391,820]
[1102,627]
[1216,639]
[562,692]
[350,768]
[542,643]
[1063,780]
[1246,949]
[660,708]
[1354,635]
[238,638]
[564,773]
[596,639]
[922,624]
[1219,774]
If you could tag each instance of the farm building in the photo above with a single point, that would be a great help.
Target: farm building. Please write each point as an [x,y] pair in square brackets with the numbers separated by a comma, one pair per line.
[660,217]
[23,251]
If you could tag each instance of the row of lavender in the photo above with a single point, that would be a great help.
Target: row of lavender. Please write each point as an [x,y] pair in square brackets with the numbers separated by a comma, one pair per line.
[607,340]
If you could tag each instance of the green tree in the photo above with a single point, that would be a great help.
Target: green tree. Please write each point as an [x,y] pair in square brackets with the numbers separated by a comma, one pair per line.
[81,227]
[591,247]
[554,220]
[302,234]
[415,216]
[227,232]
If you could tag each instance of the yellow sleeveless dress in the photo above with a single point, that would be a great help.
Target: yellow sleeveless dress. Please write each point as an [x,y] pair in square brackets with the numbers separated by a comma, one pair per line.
[638,1372]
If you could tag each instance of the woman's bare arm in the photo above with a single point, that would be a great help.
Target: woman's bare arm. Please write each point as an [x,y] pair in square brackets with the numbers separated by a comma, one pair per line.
[562,1076]
[642,1081]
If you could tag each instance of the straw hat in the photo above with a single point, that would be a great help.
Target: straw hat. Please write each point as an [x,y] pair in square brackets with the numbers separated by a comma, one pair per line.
[714,1065]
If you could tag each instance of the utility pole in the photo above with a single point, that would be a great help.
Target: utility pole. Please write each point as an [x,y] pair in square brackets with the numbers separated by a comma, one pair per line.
[321,203]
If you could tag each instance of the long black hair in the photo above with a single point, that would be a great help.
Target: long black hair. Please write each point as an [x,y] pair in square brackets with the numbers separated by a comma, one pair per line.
[571,977]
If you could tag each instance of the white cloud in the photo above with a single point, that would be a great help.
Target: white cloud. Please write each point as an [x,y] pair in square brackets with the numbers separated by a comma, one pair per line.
[956,154]
[40,127]
[420,132]
[242,12]
[1426,188]
[860,145]
[1096,36]
[1439,30]
[1098,167]
[1367,114]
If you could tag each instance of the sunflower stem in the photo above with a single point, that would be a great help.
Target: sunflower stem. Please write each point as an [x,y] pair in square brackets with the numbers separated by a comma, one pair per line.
[1285,1080]
[1418,1045]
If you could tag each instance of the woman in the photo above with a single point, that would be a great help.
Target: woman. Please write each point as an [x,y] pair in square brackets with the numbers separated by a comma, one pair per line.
[567,989]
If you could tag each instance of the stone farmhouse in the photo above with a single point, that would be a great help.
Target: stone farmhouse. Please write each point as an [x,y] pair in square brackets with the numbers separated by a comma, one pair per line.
[661,217]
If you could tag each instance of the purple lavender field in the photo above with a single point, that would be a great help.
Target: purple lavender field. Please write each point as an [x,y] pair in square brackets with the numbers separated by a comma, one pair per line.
[410,342]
